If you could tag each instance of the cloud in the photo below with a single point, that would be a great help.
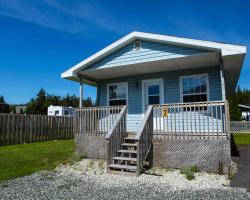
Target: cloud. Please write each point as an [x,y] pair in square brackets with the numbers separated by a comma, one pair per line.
[70,17]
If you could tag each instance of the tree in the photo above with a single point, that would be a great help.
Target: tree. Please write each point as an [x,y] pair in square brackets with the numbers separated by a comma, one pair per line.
[38,105]
[2,99]
[235,114]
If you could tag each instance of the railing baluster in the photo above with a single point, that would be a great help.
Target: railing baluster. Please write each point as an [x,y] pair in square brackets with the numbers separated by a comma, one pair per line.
[201,119]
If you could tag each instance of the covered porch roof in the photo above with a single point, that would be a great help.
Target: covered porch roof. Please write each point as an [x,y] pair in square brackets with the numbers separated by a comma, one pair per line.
[214,53]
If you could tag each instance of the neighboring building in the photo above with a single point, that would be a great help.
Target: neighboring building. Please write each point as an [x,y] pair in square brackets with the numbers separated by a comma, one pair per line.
[245,112]
[60,111]
[21,109]
[173,92]
[4,108]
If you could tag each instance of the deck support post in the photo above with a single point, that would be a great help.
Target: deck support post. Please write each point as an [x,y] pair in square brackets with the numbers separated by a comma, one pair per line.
[81,93]
[222,78]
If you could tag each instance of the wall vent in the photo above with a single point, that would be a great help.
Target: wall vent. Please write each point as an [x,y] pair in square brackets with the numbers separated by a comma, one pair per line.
[137,45]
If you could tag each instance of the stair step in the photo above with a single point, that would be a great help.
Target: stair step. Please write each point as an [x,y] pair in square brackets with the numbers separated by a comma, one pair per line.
[127,151]
[127,167]
[125,159]
[129,144]
[130,138]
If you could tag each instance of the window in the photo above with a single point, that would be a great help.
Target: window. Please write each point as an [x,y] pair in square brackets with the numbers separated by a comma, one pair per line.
[117,94]
[56,112]
[194,88]
[154,94]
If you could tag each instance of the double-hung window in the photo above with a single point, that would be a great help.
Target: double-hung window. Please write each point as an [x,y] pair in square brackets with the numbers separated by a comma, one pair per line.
[117,94]
[194,88]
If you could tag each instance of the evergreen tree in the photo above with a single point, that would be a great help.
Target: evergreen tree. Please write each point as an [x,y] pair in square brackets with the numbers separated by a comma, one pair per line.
[40,104]
[2,99]
[235,114]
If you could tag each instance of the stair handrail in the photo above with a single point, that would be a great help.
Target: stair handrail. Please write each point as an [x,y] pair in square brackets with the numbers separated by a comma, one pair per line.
[116,134]
[144,138]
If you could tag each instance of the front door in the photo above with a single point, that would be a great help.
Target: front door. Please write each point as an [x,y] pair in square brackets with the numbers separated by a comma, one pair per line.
[153,92]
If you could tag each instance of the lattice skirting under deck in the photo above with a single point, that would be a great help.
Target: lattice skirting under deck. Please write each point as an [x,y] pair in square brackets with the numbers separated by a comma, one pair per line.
[205,153]
[169,152]
[91,146]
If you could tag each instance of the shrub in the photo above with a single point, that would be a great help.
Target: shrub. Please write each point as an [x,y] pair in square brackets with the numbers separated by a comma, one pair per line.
[194,169]
[189,171]
[189,175]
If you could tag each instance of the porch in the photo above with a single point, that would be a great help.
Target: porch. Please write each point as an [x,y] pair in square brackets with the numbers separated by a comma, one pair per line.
[102,132]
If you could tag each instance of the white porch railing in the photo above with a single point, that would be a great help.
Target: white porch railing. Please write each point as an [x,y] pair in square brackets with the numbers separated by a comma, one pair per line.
[202,119]
[95,120]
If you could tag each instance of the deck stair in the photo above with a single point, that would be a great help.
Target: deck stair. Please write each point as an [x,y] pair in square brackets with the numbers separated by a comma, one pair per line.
[129,152]
[126,160]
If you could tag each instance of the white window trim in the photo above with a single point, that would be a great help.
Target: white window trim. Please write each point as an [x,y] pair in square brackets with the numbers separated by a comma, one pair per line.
[194,75]
[161,80]
[120,83]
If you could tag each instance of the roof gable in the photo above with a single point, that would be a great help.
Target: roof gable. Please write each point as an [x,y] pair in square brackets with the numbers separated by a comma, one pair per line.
[149,51]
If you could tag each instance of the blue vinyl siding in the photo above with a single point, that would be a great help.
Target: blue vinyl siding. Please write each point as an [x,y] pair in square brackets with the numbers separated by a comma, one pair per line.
[171,86]
[149,51]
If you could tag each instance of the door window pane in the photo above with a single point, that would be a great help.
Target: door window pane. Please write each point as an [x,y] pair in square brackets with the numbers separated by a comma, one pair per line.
[153,89]
[154,100]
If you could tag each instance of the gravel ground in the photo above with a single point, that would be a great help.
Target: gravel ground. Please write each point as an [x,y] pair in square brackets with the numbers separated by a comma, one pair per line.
[72,182]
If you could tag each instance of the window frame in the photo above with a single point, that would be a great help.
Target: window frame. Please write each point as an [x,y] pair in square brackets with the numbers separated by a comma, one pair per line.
[191,76]
[112,84]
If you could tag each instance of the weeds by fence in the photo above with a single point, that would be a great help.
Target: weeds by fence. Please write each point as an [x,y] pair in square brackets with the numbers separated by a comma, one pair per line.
[20,128]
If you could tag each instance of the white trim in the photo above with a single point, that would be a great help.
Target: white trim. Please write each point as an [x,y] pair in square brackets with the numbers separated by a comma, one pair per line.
[194,75]
[225,49]
[161,80]
[119,83]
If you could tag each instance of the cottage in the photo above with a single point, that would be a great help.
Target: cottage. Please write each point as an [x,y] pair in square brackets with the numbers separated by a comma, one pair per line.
[161,102]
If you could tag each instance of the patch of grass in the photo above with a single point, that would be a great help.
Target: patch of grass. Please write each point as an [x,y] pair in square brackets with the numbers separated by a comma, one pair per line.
[67,184]
[47,175]
[90,166]
[74,158]
[241,138]
[189,171]
[101,165]
[24,159]
[4,184]
[230,174]
[168,169]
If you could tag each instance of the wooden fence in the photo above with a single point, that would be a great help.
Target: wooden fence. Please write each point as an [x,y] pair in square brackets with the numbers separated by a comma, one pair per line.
[20,128]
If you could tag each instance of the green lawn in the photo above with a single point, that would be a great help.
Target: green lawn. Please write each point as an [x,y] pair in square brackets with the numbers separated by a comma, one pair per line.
[241,138]
[24,159]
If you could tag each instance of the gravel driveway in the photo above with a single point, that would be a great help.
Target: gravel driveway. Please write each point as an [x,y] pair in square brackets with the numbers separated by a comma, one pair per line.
[61,185]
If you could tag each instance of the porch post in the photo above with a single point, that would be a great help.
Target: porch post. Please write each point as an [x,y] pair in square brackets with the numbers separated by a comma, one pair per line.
[81,93]
[222,79]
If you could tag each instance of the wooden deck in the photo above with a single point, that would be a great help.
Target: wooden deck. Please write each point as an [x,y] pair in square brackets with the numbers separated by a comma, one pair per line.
[203,120]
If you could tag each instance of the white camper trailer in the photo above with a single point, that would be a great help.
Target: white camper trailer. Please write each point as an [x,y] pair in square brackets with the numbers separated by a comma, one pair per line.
[60,111]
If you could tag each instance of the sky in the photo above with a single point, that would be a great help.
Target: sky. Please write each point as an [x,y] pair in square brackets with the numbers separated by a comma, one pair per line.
[41,39]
